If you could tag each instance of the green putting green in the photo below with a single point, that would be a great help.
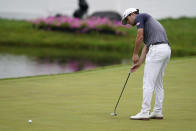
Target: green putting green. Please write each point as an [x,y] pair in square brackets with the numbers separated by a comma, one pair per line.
[83,101]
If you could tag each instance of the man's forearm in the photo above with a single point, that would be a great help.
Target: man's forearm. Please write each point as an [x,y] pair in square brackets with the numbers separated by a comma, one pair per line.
[143,54]
[138,42]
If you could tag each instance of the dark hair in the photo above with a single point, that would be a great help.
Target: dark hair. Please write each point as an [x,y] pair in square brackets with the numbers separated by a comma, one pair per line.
[137,12]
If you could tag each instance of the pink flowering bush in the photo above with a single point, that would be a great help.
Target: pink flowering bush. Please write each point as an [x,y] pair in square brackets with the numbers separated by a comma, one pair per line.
[88,25]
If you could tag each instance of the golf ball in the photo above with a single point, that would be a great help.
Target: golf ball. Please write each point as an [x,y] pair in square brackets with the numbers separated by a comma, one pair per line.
[112,114]
[29,121]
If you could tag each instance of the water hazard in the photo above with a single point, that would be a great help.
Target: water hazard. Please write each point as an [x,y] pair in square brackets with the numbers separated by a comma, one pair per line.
[12,66]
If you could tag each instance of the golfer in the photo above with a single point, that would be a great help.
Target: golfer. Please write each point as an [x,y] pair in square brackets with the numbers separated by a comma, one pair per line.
[156,53]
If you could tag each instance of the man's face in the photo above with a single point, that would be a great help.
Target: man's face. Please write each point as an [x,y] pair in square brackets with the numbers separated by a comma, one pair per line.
[131,19]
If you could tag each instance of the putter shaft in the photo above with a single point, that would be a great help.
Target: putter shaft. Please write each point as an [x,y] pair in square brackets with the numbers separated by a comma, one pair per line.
[121,93]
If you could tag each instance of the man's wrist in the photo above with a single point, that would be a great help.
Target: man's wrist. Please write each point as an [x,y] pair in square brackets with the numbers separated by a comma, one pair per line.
[135,53]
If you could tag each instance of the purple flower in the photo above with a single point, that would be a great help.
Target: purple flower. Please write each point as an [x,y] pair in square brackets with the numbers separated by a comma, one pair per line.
[90,24]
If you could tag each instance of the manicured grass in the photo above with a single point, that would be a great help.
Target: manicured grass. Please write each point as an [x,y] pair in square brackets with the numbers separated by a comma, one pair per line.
[83,101]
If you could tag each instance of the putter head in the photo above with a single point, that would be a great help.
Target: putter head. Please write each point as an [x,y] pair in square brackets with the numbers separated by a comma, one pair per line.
[113,114]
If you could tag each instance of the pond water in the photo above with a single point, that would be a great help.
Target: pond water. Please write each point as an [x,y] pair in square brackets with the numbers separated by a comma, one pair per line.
[20,66]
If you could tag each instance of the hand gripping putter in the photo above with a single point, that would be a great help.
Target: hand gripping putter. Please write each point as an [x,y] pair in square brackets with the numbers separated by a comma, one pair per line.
[114,113]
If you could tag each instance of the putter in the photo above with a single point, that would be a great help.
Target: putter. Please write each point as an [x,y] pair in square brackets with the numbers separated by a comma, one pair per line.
[114,113]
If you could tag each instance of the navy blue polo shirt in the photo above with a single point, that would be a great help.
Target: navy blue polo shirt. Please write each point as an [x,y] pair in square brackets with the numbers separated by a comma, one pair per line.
[154,32]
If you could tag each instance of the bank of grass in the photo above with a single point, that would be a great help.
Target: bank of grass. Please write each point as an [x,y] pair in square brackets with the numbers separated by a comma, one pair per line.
[21,34]
[83,101]
[181,33]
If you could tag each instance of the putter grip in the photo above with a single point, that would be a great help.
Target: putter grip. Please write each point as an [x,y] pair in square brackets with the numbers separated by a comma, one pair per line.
[130,70]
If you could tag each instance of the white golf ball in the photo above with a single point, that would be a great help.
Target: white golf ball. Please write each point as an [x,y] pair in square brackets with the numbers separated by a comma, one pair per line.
[112,114]
[29,121]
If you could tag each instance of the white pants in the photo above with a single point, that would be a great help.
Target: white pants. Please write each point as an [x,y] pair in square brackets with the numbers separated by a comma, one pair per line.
[155,64]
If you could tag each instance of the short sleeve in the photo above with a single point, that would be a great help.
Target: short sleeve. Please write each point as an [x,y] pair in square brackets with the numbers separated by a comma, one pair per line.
[139,21]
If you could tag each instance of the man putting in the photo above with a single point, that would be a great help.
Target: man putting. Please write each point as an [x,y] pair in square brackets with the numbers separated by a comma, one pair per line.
[156,53]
